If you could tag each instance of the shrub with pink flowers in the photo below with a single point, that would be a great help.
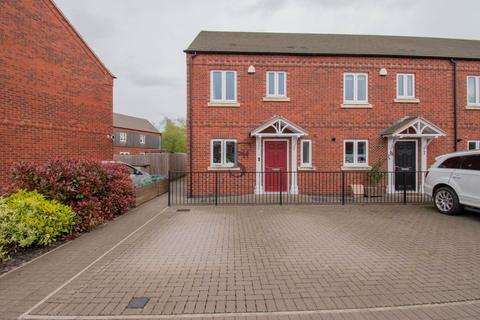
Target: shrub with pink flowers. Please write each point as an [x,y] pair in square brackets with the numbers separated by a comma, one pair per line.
[95,191]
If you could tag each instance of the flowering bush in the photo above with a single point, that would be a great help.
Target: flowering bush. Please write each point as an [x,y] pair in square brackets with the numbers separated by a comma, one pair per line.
[95,191]
[27,218]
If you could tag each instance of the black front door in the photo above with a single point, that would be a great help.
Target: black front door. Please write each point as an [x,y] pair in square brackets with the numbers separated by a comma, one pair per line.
[405,165]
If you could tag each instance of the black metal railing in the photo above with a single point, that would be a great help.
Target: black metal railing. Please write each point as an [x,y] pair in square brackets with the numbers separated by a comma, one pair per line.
[302,187]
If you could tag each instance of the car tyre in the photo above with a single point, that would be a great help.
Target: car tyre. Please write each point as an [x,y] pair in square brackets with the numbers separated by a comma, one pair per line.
[446,201]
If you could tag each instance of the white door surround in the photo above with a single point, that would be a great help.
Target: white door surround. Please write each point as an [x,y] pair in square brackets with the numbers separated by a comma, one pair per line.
[408,129]
[277,128]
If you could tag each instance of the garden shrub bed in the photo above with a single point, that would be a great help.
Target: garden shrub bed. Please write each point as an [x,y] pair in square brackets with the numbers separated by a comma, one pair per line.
[57,200]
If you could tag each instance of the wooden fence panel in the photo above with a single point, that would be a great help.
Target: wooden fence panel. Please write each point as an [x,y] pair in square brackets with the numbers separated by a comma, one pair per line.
[155,163]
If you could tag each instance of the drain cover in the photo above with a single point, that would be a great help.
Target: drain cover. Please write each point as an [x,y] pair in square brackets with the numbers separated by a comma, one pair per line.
[137,303]
[183,210]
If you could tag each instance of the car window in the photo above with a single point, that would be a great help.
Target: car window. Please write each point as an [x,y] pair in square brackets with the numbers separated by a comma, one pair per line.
[471,162]
[451,163]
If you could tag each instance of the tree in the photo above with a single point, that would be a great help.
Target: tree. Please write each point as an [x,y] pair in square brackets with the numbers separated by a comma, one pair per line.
[174,136]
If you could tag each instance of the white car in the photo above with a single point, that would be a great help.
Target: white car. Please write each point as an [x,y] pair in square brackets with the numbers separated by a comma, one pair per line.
[453,181]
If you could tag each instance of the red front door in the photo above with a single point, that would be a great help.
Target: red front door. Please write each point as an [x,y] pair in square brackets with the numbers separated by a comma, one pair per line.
[276,165]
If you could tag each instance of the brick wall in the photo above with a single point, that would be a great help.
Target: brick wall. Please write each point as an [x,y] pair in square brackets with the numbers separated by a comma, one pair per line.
[55,97]
[315,89]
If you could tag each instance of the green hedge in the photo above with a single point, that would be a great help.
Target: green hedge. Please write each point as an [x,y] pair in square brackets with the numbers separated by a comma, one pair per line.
[27,218]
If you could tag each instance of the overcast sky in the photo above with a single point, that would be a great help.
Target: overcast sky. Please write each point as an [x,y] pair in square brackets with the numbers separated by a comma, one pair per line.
[141,41]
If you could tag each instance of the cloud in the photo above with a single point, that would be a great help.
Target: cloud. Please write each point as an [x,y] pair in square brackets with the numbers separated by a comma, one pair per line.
[142,41]
[153,80]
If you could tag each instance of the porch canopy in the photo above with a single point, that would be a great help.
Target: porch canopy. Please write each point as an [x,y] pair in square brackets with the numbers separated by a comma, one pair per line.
[413,127]
[278,127]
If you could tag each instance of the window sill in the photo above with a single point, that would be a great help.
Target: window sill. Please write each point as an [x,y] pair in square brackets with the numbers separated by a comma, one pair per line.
[472,107]
[224,104]
[306,169]
[400,100]
[223,169]
[276,99]
[356,106]
[356,168]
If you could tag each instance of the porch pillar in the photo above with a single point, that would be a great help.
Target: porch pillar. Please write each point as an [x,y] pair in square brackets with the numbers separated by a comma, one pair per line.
[294,180]
[425,143]
[258,166]
[390,164]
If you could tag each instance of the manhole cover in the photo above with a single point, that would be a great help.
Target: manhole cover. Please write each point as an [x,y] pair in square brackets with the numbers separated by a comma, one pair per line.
[137,303]
[183,210]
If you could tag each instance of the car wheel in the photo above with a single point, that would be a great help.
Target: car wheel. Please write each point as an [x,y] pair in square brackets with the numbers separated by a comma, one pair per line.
[446,201]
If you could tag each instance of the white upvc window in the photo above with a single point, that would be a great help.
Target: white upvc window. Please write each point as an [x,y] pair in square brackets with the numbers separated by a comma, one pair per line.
[355,153]
[474,145]
[276,84]
[123,136]
[405,86]
[355,88]
[306,153]
[223,86]
[223,153]
[473,90]
[142,139]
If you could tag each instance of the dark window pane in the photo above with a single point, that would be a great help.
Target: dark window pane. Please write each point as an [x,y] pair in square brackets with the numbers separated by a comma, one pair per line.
[471,163]
[231,152]
[452,163]
[348,152]
[306,152]
[472,145]
[217,152]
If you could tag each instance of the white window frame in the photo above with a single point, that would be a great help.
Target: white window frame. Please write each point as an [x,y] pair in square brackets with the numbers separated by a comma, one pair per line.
[275,84]
[477,144]
[223,98]
[223,151]
[302,162]
[405,86]
[355,85]
[142,139]
[355,153]
[477,92]
[122,136]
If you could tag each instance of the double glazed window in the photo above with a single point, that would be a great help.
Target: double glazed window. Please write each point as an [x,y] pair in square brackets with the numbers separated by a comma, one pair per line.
[474,145]
[123,137]
[473,90]
[276,84]
[355,88]
[223,153]
[355,153]
[306,153]
[142,139]
[223,86]
[405,86]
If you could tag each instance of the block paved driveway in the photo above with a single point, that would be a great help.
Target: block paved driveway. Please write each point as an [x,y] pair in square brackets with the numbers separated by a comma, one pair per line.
[302,262]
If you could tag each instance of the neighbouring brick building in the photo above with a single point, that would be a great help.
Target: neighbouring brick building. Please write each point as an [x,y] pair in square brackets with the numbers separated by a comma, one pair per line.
[55,94]
[132,135]
[265,102]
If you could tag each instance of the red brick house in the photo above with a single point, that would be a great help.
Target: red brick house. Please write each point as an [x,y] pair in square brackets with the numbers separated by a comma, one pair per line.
[132,135]
[55,94]
[265,102]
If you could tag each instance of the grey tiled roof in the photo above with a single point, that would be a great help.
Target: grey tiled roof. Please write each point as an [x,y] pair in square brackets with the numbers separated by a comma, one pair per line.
[129,122]
[333,44]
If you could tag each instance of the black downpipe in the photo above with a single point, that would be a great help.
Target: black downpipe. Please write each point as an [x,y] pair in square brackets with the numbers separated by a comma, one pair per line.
[190,75]
[455,105]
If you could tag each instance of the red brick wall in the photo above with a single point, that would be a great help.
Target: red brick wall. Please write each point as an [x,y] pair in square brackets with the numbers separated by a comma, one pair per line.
[315,88]
[55,98]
